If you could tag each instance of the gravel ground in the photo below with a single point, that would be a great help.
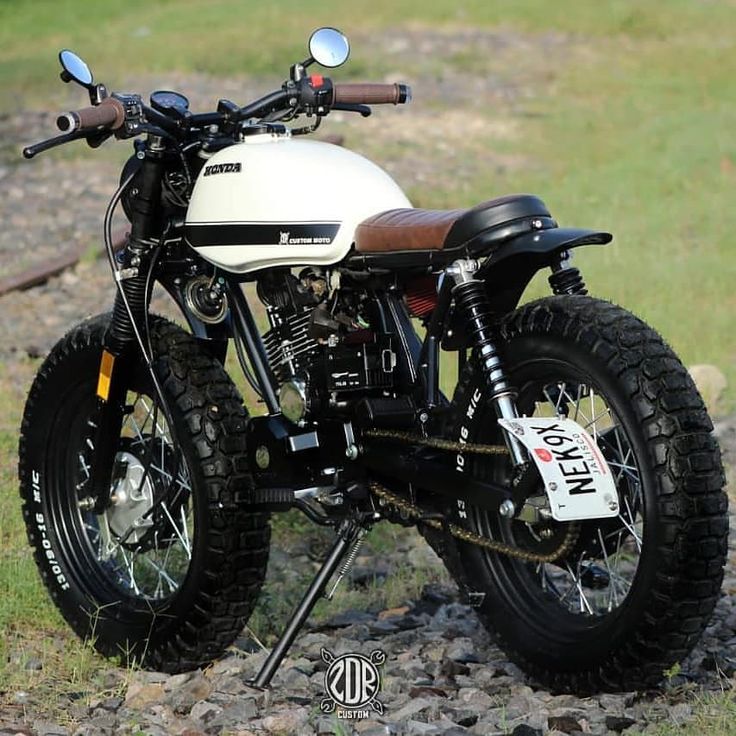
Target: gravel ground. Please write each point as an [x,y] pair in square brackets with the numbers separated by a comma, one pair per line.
[443,674]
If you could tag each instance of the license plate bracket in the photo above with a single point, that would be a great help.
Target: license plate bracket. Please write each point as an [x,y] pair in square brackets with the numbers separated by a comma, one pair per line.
[577,479]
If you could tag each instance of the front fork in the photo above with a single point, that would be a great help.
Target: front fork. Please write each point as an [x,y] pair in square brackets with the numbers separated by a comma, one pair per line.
[131,304]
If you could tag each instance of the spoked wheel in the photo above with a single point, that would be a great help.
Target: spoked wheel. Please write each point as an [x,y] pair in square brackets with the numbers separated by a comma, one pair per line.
[631,594]
[142,541]
[596,575]
[166,571]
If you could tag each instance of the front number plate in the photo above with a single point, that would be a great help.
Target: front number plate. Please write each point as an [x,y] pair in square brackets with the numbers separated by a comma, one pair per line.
[578,482]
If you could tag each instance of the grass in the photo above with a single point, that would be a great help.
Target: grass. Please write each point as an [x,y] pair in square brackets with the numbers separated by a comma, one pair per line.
[626,124]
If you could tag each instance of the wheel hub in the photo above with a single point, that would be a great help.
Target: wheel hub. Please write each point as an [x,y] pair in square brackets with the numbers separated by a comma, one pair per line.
[130,499]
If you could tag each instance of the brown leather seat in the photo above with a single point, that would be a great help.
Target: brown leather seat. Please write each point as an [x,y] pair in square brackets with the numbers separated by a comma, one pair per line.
[417,229]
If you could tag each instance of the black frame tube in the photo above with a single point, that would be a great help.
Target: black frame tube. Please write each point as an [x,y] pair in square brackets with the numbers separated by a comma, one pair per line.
[245,327]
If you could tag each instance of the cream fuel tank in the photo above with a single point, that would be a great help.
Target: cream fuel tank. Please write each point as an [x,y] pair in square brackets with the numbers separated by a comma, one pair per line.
[274,200]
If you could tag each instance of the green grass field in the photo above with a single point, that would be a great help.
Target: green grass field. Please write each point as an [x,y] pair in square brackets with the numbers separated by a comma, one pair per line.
[631,128]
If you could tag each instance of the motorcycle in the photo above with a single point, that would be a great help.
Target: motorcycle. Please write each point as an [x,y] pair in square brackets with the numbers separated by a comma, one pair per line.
[570,484]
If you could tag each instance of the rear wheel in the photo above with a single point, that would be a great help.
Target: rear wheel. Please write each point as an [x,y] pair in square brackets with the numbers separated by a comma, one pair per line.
[634,593]
[168,572]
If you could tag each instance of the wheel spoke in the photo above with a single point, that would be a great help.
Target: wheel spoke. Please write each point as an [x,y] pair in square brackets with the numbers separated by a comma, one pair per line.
[146,554]
[599,581]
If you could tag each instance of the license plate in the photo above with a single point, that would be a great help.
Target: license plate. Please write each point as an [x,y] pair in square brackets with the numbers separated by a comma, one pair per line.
[578,482]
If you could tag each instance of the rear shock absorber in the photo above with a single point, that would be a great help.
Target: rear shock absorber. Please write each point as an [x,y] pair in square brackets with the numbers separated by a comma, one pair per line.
[566,279]
[471,297]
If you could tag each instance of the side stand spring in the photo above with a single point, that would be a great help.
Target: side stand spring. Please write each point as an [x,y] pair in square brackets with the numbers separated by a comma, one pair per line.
[348,563]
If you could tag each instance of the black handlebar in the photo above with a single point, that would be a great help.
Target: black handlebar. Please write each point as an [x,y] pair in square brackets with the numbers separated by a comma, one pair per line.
[127,116]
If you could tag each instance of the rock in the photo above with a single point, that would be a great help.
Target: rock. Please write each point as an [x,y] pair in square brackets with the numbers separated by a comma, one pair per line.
[465,718]
[362,576]
[566,724]
[111,704]
[419,728]
[247,644]
[420,690]
[476,697]
[176,681]
[46,728]
[462,650]
[347,618]
[393,612]
[21,697]
[141,694]
[619,723]
[523,730]
[294,679]
[388,729]
[204,711]
[290,722]
[711,383]
[238,713]
[411,708]
[195,689]
[449,668]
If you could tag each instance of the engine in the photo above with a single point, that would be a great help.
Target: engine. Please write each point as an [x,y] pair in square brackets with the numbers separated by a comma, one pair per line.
[320,347]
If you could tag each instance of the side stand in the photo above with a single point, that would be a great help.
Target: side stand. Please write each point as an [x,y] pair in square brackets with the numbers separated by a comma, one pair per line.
[347,534]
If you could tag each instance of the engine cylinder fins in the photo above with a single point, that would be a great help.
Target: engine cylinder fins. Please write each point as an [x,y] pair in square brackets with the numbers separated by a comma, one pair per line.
[289,346]
[205,299]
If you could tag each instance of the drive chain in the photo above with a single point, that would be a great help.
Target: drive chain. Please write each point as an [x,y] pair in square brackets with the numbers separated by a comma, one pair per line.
[411,511]
[436,442]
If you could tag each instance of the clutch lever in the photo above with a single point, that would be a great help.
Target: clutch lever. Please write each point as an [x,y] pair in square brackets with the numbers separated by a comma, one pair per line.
[33,150]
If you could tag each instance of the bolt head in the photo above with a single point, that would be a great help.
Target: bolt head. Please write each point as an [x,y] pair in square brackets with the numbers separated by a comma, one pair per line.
[507,508]
[352,452]
[263,457]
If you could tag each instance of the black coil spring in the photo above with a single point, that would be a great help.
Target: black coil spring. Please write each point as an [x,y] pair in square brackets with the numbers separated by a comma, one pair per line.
[472,298]
[567,281]
[120,334]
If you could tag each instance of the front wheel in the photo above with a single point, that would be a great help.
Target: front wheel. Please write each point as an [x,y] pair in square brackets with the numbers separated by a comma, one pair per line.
[633,594]
[167,573]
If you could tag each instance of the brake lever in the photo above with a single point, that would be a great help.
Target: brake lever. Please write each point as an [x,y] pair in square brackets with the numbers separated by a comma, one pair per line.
[364,110]
[33,150]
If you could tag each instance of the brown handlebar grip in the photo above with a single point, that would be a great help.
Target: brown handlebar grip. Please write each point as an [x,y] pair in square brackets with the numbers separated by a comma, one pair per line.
[110,114]
[370,94]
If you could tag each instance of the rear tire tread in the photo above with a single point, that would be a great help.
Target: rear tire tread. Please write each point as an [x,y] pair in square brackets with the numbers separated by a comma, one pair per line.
[686,462]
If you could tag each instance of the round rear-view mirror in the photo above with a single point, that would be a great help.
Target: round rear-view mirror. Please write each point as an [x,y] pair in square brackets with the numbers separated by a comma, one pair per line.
[329,47]
[75,68]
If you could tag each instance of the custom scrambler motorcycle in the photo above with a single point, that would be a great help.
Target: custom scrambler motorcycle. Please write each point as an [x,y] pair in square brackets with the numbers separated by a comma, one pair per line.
[571,483]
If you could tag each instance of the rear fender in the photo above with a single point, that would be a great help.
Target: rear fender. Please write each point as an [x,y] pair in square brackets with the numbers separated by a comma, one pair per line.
[512,266]
[508,271]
